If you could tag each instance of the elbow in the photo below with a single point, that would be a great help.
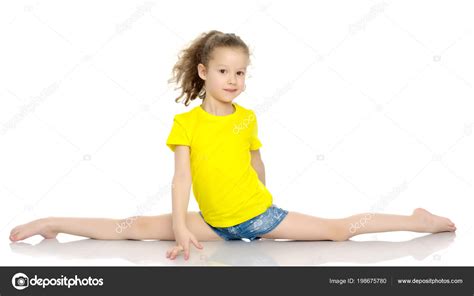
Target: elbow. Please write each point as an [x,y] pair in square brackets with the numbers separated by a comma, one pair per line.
[182,178]
[258,166]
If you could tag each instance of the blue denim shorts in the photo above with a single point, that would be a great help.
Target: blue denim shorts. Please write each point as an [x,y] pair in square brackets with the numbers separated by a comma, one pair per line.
[252,229]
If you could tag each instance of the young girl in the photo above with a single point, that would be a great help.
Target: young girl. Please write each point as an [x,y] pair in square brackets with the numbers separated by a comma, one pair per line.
[216,150]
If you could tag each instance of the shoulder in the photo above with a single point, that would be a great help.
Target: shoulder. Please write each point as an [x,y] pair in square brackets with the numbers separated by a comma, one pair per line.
[246,111]
[186,118]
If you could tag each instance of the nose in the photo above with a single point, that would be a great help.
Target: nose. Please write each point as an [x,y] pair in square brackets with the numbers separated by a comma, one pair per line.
[232,79]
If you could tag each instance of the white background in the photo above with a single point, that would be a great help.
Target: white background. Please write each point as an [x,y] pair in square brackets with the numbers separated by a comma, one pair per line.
[361,105]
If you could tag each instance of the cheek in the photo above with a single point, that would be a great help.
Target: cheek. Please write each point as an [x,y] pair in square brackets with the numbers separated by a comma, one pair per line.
[215,80]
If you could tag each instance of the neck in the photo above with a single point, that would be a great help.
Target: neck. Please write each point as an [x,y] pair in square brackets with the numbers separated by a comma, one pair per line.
[216,107]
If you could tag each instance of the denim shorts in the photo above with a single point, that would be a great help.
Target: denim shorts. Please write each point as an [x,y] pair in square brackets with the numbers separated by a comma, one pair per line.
[253,228]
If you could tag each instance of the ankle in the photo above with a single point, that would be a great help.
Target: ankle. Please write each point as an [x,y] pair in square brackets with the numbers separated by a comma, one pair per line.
[416,224]
[49,223]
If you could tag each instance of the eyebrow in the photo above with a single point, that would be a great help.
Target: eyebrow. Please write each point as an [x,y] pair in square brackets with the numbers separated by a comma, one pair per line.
[227,66]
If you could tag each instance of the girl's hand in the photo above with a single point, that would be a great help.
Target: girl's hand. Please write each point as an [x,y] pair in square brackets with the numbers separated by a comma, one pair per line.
[183,236]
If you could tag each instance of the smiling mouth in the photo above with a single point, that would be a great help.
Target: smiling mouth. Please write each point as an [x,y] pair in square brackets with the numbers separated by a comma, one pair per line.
[230,90]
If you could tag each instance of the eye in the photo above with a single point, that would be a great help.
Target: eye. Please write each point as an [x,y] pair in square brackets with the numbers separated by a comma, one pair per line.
[222,71]
[242,73]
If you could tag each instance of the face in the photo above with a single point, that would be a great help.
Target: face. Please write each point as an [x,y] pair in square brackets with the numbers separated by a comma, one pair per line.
[225,75]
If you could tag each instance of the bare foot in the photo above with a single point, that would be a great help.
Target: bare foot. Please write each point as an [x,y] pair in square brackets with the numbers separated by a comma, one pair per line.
[41,226]
[428,222]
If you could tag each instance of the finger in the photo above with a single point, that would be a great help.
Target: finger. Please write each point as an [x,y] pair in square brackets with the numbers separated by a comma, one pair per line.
[174,253]
[169,252]
[196,243]
[178,249]
[186,251]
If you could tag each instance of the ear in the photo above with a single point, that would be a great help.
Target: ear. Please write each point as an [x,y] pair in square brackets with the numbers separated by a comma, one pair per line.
[202,72]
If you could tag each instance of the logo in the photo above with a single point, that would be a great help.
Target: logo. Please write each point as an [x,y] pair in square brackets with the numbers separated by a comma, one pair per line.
[20,281]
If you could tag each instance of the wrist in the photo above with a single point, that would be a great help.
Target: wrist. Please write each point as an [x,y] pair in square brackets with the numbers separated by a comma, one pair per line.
[179,225]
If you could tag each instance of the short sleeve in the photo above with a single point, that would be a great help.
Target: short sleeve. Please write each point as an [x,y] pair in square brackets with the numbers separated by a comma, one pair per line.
[255,143]
[178,135]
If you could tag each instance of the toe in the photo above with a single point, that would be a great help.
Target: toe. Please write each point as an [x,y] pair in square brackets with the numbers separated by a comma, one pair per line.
[16,236]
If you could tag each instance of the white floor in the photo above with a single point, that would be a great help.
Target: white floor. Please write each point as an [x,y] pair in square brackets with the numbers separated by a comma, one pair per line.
[371,113]
[388,249]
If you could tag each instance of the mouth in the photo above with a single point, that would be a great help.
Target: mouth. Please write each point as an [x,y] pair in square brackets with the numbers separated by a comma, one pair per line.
[230,90]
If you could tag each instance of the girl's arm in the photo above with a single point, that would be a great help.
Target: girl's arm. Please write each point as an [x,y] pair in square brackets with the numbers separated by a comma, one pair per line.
[180,190]
[181,186]
[257,164]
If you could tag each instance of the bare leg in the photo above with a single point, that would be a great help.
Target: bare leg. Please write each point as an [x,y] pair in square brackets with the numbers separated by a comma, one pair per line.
[419,221]
[299,226]
[137,228]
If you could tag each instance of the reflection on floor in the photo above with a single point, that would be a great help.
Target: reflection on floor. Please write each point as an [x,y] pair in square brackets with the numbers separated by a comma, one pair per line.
[420,251]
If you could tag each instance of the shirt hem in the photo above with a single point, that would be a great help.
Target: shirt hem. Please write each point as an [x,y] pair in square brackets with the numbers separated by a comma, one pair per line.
[238,221]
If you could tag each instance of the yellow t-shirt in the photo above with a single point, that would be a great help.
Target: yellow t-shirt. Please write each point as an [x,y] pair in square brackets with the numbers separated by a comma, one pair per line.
[225,185]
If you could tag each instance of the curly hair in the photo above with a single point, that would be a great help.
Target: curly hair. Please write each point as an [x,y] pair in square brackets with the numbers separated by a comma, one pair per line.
[185,72]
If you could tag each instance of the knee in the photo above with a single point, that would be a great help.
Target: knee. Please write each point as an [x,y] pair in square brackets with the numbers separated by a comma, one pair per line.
[340,233]
[339,237]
